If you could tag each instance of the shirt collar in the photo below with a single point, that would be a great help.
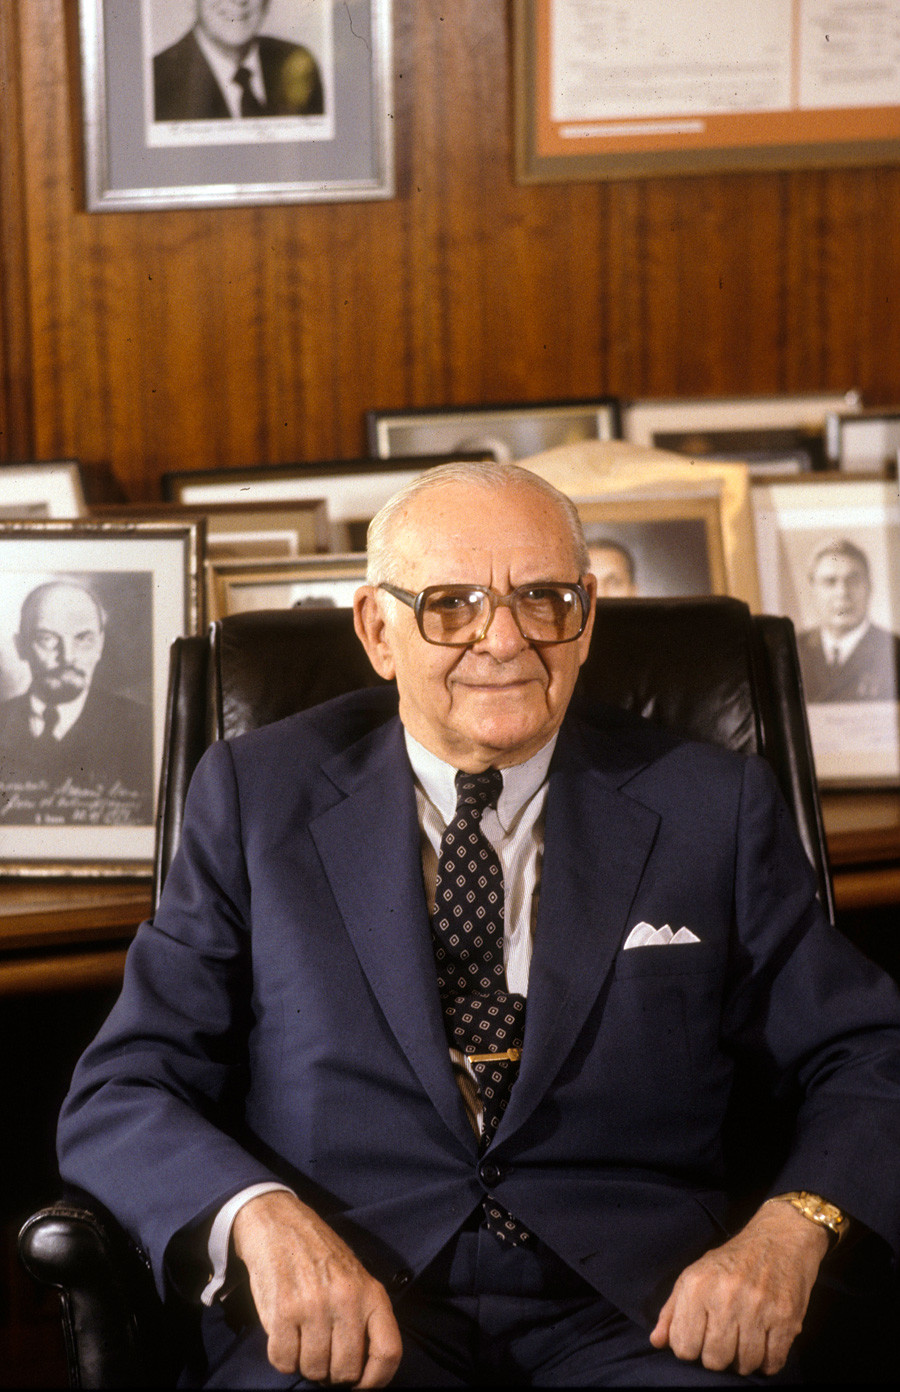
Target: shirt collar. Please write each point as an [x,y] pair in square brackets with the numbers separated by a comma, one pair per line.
[69,711]
[847,642]
[438,780]
[223,64]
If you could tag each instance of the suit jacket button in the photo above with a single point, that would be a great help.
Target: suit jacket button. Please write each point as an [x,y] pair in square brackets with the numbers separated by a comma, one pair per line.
[401,1279]
[490,1174]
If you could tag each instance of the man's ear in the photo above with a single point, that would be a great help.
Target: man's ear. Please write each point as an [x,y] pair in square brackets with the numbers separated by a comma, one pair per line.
[589,581]
[368,620]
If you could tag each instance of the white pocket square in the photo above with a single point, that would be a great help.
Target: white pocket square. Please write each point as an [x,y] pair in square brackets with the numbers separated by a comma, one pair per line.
[645,935]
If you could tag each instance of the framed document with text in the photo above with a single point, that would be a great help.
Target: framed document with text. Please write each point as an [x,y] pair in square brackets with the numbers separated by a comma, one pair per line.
[608,90]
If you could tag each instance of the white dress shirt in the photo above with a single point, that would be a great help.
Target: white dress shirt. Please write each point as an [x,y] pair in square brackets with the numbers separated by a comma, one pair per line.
[224,68]
[516,831]
[67,713]
[838,650]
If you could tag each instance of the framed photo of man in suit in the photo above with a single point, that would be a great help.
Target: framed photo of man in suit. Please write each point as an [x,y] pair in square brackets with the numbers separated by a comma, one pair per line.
[829,557]
[238,70]
[204,103]
[88,611]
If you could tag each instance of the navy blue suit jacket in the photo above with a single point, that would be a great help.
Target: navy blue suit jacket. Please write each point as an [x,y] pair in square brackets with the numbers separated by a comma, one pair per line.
[280,1018]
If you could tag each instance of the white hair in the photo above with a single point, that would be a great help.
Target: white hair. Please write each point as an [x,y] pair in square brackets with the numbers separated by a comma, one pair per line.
[383,564]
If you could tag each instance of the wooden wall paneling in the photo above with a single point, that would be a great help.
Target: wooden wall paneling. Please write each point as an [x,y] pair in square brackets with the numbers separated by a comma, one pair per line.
[624,286]
[16,406]
[862,261]
[50,193]
[425,379]
[660,317]
[878,332]
[156,340]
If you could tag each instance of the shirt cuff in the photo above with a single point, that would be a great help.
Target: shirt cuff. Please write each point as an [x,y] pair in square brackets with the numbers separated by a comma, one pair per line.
[220,1234]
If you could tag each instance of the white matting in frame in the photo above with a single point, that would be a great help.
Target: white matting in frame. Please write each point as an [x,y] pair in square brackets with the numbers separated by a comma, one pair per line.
[51,489]
[506,432]
[321,582]
[353,490]
[199,151]
[829,557]
[644,422]
[83,802]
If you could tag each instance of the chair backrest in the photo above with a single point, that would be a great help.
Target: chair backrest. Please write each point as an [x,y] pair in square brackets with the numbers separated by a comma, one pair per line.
[706,668]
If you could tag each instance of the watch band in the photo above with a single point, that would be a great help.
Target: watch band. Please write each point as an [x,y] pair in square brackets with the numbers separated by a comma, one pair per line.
[816,1209]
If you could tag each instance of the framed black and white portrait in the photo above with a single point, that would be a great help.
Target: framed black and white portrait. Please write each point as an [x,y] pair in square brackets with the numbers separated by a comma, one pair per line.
[205,103]
[829,557]
[88,611]
[504,432]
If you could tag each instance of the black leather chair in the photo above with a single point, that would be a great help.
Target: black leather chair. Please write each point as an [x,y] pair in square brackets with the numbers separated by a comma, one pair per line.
[706,668]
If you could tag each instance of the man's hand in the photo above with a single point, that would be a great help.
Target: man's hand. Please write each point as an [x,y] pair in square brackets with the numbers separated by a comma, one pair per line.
[324,1314]
[742,1304]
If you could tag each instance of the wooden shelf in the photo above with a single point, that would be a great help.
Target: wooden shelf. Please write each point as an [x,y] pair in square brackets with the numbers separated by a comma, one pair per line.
[67,934]
[863,831]
[862,827]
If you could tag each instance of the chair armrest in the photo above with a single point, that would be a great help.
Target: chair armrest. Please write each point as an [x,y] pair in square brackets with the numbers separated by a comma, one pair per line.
[113,1318]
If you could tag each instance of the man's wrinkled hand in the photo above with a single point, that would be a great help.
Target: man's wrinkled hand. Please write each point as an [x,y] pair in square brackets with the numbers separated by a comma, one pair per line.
[324,1315]
[742,1304]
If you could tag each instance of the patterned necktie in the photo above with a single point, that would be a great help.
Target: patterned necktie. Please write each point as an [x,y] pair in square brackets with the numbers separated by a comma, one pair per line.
[250,103]
[482,1017]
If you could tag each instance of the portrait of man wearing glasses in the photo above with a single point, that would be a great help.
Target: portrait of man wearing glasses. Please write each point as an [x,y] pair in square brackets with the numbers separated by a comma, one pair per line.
[425,1071]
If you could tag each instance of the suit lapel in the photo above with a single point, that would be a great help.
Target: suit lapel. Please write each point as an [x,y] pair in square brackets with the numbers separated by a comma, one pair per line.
[597,841]
[370,849]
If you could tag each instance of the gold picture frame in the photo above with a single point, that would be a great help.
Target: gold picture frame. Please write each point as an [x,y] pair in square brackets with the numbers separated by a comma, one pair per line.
[659,548]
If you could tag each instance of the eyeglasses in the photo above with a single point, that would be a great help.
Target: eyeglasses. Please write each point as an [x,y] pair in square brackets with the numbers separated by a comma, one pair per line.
[453,616]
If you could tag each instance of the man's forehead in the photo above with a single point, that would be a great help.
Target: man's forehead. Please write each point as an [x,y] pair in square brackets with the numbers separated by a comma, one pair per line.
[66,603]
[468,523]
[836,563]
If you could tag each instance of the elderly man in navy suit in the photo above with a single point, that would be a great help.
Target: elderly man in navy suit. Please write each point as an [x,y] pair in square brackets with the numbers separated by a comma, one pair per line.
[224,68]
[454,998]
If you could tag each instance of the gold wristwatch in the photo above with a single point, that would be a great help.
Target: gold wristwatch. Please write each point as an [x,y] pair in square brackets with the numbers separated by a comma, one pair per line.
[816,1209]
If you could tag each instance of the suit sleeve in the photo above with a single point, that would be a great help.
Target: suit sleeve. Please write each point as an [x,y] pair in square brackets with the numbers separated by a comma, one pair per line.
[819,1022]
[151,1124]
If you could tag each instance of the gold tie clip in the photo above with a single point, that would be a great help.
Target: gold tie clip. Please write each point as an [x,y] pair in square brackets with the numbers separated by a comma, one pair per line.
[512,1055]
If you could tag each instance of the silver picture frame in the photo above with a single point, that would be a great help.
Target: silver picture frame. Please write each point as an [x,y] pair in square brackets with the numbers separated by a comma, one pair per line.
[80,800]
[134,158]
[505,431]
